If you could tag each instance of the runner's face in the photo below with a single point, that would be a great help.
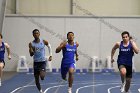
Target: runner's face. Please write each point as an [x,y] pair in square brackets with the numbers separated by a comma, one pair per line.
[70,37]
[125,38]
[36,35]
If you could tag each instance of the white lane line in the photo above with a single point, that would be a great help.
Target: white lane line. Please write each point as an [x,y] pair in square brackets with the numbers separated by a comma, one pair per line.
[85,87]
[112,88]
[28,85]
[21,88]
[109,89]
[139,90]
[93,86]
[53,87]
[63,85]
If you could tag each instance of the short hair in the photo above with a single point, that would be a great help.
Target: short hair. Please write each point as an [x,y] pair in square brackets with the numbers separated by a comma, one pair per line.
[69,33]
[1,35]
[125,32]
[35,30]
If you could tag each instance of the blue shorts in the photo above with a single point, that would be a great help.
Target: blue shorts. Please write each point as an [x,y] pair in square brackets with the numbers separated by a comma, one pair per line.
[39,66]
[65,68]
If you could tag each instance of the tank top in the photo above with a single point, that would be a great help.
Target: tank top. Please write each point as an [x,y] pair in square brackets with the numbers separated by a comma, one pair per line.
[2,51]
[125,54]
[68,53]
[39,52]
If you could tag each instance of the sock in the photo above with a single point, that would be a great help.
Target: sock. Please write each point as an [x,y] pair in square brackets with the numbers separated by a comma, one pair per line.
[41,90]
[69,88]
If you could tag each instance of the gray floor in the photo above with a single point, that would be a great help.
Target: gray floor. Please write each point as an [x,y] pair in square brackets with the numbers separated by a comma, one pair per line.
[8,75]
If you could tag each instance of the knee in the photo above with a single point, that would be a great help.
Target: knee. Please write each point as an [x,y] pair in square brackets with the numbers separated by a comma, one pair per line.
[1,67]
[123,72]
[71,72]
[42,77]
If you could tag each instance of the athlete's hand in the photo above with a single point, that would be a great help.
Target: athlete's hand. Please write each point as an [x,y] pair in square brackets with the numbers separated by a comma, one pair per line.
[77,58]
[50,58]
[132,40]
[32,49]
[112,60]
[9,57]
[63,44]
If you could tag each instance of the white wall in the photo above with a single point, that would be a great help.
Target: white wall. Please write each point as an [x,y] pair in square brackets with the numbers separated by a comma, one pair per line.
[2,13]
[39,7]
[109,7]
[62,7]
[95,38]
[11,7]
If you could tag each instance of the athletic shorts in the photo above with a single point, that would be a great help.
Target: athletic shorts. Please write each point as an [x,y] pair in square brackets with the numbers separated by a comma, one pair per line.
[39,66]
[65,68]
[2,61]
[128,70]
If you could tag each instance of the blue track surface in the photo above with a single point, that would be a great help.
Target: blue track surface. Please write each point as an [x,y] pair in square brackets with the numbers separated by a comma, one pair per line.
[83,83]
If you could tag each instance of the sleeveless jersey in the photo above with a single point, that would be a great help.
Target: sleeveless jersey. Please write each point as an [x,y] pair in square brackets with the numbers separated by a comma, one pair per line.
[39,51]
[2,51]
[125,54]
[68,53]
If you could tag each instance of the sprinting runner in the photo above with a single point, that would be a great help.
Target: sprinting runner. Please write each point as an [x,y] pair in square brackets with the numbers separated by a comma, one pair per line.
[37,50]
[127,47]
[69,49]
[2,52]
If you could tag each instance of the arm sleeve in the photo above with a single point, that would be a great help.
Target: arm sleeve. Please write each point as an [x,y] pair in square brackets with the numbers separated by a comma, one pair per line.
[50,49]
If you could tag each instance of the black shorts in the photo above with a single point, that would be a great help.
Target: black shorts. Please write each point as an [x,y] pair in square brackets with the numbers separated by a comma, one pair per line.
[128,70]
[2,61]
[39,66]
